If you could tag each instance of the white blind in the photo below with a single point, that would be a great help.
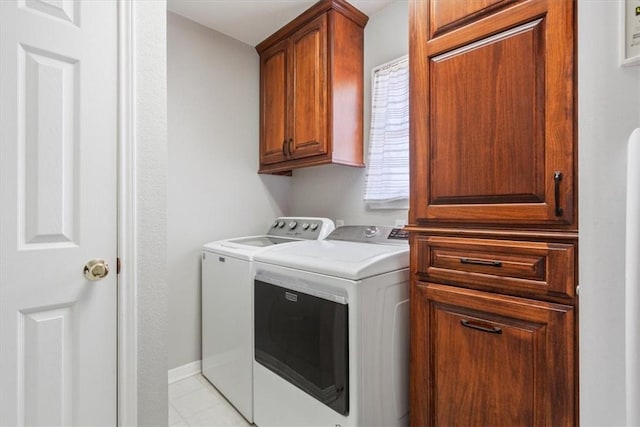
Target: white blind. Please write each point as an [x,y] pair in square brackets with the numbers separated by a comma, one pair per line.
[387,179]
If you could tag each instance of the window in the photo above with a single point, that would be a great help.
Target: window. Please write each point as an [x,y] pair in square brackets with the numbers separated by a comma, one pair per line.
[387,179]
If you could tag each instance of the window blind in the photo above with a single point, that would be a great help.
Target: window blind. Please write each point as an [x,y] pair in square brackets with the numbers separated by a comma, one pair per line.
[387,178]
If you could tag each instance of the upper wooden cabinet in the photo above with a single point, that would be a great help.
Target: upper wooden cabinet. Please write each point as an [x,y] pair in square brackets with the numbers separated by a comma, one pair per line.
[493,128]
[311,90]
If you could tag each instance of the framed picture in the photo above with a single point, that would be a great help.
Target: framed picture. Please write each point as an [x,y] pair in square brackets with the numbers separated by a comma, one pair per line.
[630,32]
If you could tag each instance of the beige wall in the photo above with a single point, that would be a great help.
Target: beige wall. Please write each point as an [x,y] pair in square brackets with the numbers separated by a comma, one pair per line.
[214,191]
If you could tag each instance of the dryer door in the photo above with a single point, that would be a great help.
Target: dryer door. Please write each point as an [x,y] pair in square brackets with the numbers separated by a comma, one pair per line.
[304,339]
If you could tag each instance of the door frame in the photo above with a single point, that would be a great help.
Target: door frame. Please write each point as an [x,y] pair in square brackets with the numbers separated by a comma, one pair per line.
[127,339]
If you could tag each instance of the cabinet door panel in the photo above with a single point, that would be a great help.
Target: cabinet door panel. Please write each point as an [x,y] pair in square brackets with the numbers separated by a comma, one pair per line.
[487,141]
[482,359]
[476,365]
[309,89]
[274,104]
[493,116]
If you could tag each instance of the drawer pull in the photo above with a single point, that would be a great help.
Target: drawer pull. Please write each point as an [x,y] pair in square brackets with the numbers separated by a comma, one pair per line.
[484,327]
[480,262]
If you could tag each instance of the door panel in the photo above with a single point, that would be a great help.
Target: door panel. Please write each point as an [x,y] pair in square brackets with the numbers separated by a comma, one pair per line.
[492,149]
[309,110]
[493,142]
[58,111]
[274,104]
[486,362]
[489,359]
[48,147]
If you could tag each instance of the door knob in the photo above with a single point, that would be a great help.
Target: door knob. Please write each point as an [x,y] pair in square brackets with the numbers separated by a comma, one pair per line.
[96,269]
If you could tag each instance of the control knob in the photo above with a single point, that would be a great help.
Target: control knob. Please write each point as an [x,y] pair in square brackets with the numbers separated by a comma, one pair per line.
[280,224]
[292,225]
[314,227]
[305,226]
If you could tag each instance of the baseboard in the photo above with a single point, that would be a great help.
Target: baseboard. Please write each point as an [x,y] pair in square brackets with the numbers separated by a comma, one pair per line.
[184,371]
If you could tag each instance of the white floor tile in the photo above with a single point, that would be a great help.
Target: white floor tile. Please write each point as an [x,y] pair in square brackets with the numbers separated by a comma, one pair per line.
[194,402]
[197,401]
[185,386]
[174,416]
[209,386]
[218,416]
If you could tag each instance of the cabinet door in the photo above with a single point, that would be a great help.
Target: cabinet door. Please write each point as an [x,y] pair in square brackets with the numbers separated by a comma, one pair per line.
[480,359]
[308,114]
[273,99]
[493,113]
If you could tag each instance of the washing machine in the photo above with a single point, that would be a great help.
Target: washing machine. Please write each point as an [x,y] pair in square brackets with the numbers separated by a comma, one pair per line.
[331,325]
[227,306]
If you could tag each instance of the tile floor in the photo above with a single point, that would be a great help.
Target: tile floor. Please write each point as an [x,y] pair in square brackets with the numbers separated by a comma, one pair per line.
[193,402]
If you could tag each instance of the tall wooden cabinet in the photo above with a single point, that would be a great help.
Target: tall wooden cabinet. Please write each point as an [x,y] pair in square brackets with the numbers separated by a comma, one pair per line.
[493,213]
[311,90]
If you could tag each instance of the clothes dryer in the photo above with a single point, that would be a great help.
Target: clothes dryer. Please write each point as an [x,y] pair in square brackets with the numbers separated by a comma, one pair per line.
[332,330]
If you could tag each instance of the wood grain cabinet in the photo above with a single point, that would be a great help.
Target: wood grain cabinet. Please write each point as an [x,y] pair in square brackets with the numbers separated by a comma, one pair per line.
[494,92]
[542,270]
[493,214]
[491,360]
[311,90]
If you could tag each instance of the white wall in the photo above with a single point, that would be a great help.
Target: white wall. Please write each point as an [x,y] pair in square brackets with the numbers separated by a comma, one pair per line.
[609,109]
[214,191]
[336,191]
[151,204]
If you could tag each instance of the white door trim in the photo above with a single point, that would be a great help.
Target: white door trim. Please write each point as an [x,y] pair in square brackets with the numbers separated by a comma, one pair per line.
[127,279]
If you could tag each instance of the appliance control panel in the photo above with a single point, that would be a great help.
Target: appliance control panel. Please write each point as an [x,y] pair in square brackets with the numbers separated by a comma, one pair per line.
[379,234]
[306,228]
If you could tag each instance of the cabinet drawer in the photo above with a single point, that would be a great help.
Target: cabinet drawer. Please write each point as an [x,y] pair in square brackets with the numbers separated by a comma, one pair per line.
[529,268]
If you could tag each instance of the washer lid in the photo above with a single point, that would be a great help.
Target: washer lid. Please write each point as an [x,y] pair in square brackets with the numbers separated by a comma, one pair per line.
[349,260]
[245,247]
[258,241]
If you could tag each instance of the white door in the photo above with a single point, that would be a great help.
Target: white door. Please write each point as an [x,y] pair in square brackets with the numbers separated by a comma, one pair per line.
[58,131]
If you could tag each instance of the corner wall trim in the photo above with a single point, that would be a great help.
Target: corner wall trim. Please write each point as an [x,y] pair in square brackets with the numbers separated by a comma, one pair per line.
[184,371]
[127,279]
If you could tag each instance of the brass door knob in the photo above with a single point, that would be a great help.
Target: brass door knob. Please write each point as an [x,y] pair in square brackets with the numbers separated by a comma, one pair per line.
[96,269]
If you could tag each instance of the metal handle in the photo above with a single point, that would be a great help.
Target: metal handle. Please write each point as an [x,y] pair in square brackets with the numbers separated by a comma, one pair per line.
[481,326]
[96,269]
[480,262]
[290,146]
[557,177]
[284,148]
